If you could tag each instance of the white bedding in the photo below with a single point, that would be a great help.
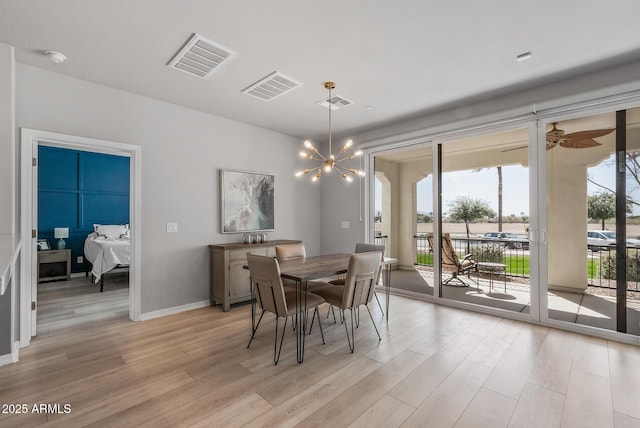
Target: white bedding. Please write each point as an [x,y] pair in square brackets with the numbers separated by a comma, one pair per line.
[106,253]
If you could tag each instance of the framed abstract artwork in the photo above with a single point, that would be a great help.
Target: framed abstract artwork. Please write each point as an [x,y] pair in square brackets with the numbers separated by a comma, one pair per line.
[247,200]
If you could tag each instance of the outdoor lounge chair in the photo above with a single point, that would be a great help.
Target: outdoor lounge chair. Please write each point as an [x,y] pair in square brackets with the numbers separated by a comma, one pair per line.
[451,262]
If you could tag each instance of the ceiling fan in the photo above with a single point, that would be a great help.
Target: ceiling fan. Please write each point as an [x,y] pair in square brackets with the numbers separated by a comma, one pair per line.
[575,140]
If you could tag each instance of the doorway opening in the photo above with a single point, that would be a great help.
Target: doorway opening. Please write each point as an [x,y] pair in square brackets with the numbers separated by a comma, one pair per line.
[31,140]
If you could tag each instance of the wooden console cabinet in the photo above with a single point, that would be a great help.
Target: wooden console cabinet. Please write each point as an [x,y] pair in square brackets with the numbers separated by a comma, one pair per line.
[54,265]
[228,280]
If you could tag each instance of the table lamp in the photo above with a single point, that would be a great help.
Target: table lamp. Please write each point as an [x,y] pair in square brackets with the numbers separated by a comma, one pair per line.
[61,233]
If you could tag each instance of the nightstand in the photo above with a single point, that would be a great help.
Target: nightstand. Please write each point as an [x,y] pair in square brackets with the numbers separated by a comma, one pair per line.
[54,265]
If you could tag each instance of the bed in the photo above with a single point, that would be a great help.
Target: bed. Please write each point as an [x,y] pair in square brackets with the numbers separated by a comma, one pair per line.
[107,248]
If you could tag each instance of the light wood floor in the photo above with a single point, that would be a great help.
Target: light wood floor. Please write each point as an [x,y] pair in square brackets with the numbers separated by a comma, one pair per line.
[64,304]
[435,367]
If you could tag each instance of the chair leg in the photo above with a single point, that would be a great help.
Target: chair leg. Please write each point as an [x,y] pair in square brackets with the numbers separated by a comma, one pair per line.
[313,319]
[253,333]
[351,340]
[331,311]
[456,277]
[276,355]
[374,323]
[319,324]
[378,300]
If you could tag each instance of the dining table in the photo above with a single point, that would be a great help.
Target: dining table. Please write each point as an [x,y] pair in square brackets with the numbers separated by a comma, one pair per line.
[305,269]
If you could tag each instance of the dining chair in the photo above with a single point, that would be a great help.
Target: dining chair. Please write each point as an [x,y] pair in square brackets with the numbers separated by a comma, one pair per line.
[362,247]
[358,290]
[450,261]
[296,251]
[272,297]
[290,251]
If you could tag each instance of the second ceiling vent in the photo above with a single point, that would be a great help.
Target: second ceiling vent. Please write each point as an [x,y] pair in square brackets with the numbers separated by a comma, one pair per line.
[335,102]
[200,57]
[271,86]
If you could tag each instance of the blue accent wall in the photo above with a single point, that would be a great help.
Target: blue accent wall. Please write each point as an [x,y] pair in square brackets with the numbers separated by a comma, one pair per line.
[78,189]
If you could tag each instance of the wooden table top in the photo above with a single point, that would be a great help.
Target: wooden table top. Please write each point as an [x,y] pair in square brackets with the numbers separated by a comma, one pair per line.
[319,266]
[314,267]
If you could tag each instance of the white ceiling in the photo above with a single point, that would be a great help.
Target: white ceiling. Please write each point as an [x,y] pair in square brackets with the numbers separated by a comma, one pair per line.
[401,58]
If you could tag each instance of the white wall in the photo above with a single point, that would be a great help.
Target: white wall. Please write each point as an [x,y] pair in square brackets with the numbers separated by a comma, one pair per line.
[182,152]
[7,138]
[7,184]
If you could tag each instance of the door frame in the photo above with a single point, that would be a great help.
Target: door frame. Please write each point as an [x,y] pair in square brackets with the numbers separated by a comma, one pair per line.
[29,140]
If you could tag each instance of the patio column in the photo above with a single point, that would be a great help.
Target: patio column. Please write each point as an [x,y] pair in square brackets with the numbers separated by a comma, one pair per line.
[399,205]
[410,173]
[387,173]
[567,224]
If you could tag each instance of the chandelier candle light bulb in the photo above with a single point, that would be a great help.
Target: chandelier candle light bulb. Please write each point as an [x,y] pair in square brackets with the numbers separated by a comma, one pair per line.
[331,161]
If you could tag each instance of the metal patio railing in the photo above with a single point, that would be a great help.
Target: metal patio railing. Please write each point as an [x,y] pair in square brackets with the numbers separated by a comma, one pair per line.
[515,255]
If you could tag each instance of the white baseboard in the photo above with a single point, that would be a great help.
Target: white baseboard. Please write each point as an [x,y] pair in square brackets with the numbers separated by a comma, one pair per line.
[12,357]
[174,310]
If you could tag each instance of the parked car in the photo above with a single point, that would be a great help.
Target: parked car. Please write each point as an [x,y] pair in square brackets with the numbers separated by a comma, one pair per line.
[598,239]
[511,240]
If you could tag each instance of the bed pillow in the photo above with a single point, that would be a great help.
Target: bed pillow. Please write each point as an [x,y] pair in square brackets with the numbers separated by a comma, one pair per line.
[111,231]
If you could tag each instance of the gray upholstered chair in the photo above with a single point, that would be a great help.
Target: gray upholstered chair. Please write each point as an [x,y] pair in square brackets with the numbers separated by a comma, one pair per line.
[290,251]
[272,297]
[362,247]
[296,251]
[358,290]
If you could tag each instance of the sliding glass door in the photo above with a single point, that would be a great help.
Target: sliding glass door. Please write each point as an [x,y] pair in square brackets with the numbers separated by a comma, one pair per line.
[555,237]
[484,218]
[403,207]
[593,221]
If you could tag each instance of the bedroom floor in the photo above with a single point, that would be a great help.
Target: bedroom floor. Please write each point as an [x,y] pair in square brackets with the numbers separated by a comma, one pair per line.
[63,304]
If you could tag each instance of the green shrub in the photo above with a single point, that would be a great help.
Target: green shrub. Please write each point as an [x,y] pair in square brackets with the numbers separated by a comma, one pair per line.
[608,265]
[487,253]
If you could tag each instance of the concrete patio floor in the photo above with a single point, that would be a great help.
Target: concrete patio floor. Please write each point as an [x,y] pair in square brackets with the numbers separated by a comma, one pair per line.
[586,309]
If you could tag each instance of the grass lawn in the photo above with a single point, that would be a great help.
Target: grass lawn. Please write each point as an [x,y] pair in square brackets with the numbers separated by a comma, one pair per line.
[515,265]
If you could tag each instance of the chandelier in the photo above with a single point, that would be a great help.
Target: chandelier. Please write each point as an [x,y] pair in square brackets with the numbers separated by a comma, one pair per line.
[330,162]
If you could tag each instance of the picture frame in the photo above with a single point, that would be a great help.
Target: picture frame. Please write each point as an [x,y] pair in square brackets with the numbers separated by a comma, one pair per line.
[247,201]
[43,245]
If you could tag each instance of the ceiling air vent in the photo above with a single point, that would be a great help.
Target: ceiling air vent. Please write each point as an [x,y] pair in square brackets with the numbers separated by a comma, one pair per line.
[200,57]
[271,86]
[336,102]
